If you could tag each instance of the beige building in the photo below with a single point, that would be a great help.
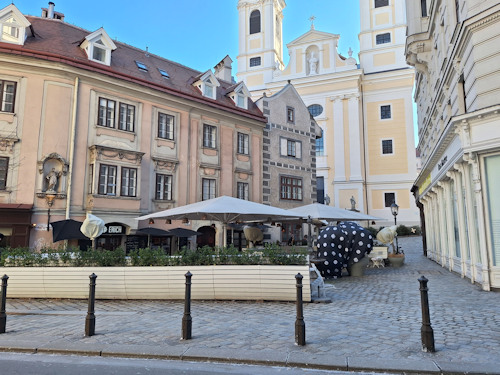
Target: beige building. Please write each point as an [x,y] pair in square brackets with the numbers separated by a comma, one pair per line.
[455,48]
[91,125]
[363,108]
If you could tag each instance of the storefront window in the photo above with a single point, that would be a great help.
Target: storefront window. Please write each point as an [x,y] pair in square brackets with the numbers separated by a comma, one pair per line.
[492,169]
[455,219]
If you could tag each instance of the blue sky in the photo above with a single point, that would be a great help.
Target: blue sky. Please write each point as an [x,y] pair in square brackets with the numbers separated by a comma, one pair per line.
[197,33]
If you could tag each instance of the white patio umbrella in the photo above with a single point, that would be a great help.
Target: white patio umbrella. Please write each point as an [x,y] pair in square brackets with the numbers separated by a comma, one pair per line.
[226,210]
[324,212]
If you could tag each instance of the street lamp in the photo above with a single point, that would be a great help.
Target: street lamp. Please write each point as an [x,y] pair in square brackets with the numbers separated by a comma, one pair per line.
[395,210]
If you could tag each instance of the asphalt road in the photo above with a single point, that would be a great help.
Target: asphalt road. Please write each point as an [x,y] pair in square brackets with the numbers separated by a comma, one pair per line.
[40,364]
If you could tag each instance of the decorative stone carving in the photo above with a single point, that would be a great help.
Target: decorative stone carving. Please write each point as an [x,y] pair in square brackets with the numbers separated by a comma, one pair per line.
[313,64]
[52,178]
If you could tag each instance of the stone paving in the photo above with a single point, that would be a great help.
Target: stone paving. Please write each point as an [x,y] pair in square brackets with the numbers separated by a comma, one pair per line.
[374,316]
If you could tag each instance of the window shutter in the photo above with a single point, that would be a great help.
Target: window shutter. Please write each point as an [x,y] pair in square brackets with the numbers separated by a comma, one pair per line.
[298,150]
[283,147]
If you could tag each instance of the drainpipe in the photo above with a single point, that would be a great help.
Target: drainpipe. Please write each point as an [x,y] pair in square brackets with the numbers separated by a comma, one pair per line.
[364,156]
[72,146]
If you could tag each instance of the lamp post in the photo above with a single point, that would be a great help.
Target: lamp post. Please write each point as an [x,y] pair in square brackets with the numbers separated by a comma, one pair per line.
[395,210]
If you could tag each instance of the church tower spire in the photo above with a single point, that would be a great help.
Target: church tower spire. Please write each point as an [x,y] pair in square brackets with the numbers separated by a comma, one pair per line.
[260,41]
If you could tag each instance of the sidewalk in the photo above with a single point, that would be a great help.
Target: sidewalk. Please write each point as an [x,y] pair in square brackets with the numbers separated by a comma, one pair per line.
[372,324]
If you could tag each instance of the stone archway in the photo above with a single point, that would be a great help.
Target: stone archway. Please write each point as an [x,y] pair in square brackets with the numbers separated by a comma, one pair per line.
[207,236]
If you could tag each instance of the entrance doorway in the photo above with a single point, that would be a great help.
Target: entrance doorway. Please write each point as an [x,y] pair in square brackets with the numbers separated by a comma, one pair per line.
[207,237]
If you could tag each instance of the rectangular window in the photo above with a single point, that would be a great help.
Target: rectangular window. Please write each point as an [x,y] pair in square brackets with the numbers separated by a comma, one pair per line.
[209,90]
[7,96]
[423,5]
[242,192]
[290,115]
[383,38]
[98,53]
[208,189]
[492,173]
[209,136]
[320,189]
[381,3]
[129,182]
[4,166]
[141,66]
[163,187]
[127,117]
[255,61]
[291,188]
[163,73]
[106,113]
[291,148]
[389,198]
[165,126]
[241,100]
[385,112]
[243,144]
[107,180]
[320,150]
[387,146]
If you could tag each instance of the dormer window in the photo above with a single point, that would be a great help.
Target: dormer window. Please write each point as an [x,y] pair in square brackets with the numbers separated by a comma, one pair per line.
[240,95]
[208,84]
[99,46]
[12,25]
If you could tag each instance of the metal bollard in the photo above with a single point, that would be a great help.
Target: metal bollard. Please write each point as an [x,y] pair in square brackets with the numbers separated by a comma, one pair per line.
[426,331]
[186,318]
[90,320]
[300,326]
[3,315]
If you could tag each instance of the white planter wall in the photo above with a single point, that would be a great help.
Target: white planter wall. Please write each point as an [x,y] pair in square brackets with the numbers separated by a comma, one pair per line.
[270,283]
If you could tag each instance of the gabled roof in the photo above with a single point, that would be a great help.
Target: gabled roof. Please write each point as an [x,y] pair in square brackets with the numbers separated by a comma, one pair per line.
[59,41]
[19,17]
[239,87]
[312,36]
[101,33]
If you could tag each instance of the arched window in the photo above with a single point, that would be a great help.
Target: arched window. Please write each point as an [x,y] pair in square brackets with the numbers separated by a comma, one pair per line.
[255,22]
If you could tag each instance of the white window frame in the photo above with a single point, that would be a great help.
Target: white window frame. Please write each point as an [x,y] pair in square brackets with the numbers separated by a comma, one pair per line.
[382,146]
[19,26]
[380,112]
[109,183]
[208,188]
[128,182]
[127,122]
[163,187]
[243,190]
[243,140]
[209,136]
[4,94]
[169,131]
[99,39]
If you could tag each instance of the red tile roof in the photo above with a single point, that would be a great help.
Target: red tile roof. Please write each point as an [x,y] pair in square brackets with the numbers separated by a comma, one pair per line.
[59,41]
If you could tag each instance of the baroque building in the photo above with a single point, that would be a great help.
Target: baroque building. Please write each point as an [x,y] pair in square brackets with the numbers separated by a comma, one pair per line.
[92,125]
[455,48]
[364,108]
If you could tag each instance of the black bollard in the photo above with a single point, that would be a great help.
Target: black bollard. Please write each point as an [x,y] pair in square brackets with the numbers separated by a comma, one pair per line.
[300,326]
[426,331]
[186,318]
[90,320]
[3,315]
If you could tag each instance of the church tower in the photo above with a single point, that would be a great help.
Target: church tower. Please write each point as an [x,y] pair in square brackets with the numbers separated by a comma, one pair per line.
[260,41]
[382,35]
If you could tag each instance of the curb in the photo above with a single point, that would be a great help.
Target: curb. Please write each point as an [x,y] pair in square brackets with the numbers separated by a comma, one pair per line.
[262,358]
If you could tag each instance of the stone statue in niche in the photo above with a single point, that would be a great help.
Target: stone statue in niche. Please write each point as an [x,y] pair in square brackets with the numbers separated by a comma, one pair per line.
[52,177]
[353,204]
[313,64]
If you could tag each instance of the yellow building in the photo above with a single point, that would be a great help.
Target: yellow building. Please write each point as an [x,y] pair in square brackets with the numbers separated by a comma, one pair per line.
[364,109]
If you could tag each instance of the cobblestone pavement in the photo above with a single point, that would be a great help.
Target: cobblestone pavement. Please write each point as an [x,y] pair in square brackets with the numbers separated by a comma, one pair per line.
[374,316]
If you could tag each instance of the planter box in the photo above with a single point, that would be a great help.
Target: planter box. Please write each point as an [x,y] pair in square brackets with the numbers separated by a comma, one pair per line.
[269,283]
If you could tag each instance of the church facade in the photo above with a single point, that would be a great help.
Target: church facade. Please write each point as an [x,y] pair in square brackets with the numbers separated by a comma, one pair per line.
[364,108]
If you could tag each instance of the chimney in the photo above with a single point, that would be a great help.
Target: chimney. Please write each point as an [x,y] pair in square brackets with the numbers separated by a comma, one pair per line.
[50,13]
[223,69]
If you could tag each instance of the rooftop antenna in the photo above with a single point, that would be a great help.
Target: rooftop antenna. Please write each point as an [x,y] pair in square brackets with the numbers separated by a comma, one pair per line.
[147,52]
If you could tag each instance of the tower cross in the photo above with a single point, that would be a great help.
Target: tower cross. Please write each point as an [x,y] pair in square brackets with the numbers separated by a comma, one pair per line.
[312,18]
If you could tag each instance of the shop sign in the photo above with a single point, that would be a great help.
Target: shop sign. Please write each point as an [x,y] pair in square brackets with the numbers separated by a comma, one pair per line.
[425,184]
[113,229]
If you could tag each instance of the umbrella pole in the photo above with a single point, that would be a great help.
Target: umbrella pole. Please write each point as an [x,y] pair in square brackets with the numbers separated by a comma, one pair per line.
[224,233]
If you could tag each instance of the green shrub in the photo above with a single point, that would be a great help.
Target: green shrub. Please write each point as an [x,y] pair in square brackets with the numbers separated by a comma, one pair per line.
[403,230]
[73,257]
